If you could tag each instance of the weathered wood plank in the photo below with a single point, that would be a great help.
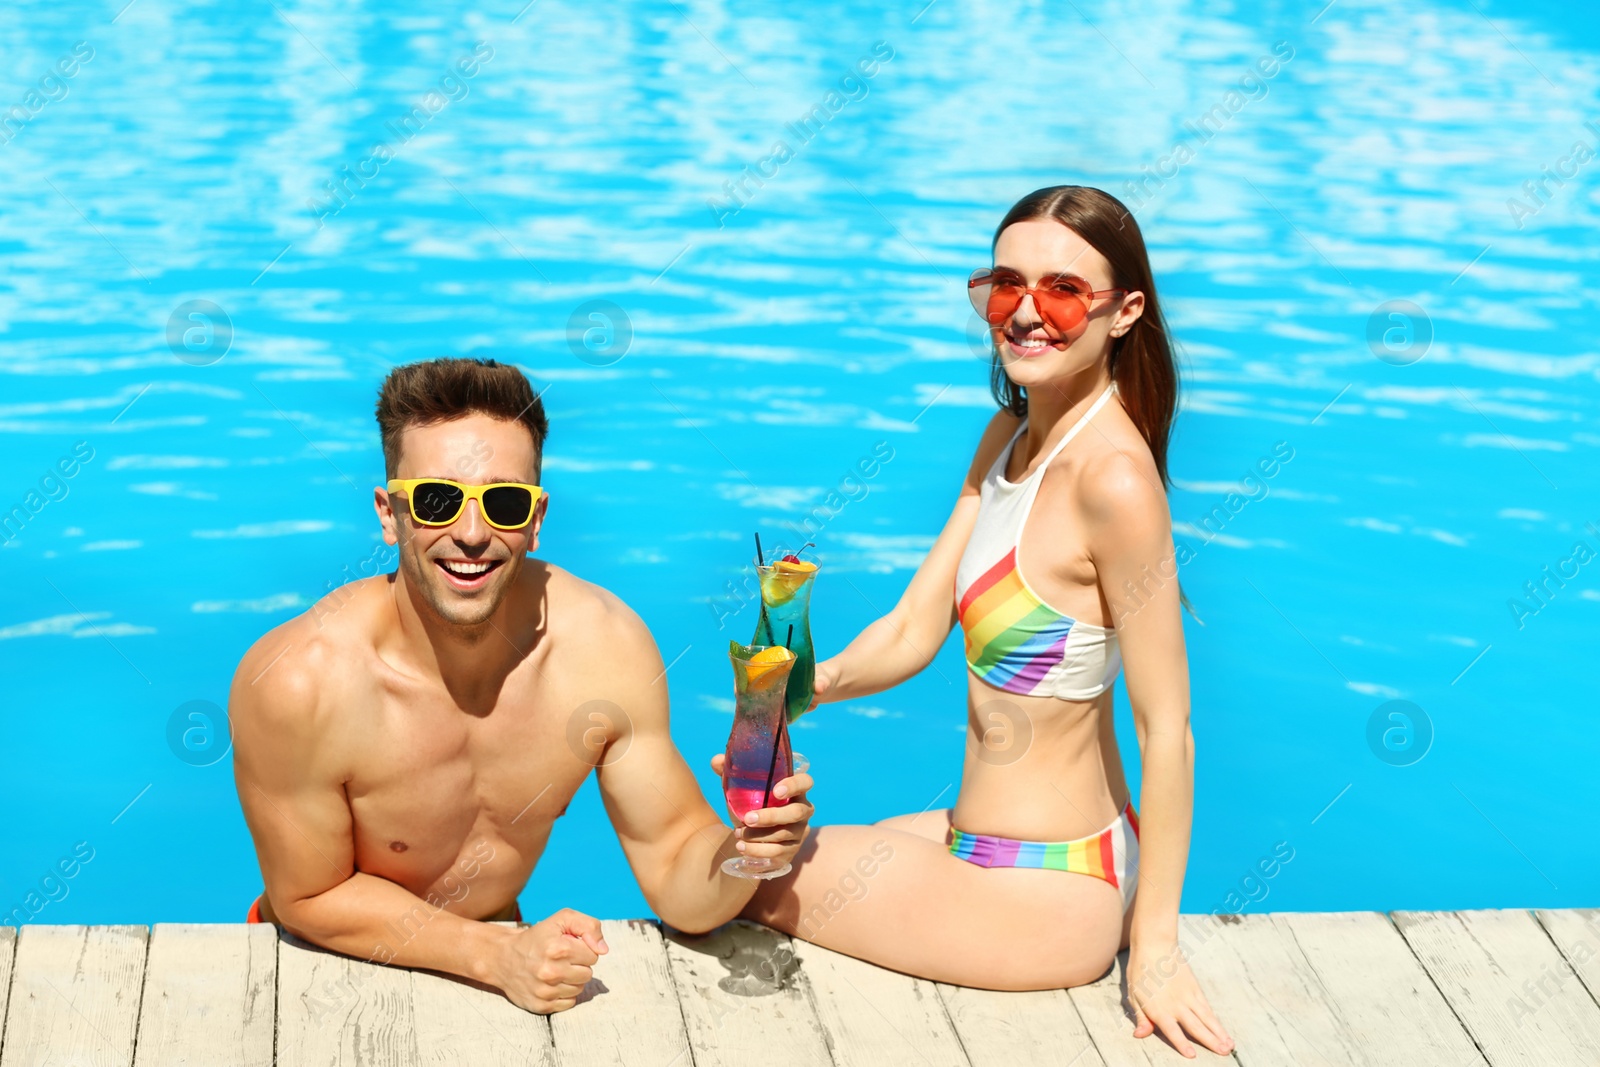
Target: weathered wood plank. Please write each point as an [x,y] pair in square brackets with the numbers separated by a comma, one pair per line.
[8,948]
[1508,984]
[209,996]
[74,996]
[1279,1001]
[1265,992]
[739,990]
[1576,932]
[1292,988]
[1103,1006]
[333,1009]
[1008,1029]
[873,1017]
[459,1023]
[1380,993]
[629,1012]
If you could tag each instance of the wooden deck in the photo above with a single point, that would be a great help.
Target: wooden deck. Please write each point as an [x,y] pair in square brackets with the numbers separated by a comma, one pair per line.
[1409,988]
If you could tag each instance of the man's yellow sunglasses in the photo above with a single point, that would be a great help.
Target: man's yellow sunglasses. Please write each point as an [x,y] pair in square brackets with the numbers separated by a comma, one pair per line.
[439,501]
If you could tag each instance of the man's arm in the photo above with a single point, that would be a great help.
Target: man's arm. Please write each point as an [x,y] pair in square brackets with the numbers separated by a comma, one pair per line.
[288,770]
[674,841]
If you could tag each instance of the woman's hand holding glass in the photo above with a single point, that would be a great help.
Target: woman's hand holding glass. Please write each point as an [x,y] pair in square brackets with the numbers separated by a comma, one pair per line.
[827,676]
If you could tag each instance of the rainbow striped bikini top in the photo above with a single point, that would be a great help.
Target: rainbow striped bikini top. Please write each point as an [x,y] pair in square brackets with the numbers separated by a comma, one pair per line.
[1015,641]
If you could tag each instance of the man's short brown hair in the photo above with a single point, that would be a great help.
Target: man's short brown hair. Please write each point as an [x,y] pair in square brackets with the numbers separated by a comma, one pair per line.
[437,390]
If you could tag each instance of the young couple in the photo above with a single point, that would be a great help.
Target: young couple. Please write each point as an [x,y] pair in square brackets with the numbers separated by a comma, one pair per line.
[402,754]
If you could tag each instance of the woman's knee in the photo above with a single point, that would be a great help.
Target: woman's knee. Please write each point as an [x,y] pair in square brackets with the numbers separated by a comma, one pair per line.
[1096,965]
[1065,971]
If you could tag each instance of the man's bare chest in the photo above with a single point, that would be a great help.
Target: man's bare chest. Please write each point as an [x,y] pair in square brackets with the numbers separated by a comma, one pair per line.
[430,783]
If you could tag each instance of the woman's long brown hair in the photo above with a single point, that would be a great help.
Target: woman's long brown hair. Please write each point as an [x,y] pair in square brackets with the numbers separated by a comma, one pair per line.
[1142,362]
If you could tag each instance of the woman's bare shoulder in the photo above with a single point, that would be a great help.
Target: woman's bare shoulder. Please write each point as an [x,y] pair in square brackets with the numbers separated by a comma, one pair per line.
[996,435]
[1119,484]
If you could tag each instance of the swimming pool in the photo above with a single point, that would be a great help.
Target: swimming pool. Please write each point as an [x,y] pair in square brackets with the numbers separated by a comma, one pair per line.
[1337,244]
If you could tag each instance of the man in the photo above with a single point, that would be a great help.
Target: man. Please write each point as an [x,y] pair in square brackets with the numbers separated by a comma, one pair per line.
[402,750]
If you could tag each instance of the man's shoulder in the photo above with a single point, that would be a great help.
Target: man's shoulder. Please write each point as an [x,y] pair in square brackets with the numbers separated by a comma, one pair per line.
[600,616]
[289,670]
[580,602]
[604,652]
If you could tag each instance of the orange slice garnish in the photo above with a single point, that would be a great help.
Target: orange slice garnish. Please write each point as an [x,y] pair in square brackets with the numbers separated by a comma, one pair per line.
[764,662]
[784,579]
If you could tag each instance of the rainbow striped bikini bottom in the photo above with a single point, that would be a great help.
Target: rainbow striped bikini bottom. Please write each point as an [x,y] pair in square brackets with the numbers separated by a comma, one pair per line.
[1111,854]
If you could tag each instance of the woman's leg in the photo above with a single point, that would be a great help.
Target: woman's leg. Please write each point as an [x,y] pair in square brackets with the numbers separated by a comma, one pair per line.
[897,898]
[934,825]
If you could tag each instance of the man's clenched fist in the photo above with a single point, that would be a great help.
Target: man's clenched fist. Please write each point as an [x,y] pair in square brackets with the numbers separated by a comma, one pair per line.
[542,968]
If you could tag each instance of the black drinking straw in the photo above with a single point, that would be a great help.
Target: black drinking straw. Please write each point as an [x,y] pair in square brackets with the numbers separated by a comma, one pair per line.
[760,561]
[783,719]
[777,743]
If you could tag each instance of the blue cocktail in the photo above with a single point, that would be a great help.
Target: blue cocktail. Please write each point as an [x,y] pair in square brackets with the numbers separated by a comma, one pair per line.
[786,620]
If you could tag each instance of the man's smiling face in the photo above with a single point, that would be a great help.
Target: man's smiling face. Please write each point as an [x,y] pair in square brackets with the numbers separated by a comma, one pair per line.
[463,570]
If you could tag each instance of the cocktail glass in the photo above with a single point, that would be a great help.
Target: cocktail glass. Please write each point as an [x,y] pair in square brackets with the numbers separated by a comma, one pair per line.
[758,755]
[786,603]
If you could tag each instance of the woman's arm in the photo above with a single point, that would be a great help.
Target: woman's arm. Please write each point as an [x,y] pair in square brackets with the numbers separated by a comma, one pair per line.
[903,642]
[1130,537]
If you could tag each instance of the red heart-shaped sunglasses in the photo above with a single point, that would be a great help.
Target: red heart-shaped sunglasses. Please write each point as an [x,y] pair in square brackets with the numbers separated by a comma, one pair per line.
[1062,299]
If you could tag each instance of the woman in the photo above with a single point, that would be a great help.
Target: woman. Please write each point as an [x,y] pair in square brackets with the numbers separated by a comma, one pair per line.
[1058,563]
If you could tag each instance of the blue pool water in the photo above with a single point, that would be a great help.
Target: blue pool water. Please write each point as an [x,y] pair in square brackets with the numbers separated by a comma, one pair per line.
[777,341]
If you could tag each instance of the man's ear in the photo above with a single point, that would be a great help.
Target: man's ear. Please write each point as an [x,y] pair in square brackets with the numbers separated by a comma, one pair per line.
[385,509]
[538,520]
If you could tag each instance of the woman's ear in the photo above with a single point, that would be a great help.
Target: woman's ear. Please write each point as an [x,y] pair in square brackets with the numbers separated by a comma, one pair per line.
[1130,312]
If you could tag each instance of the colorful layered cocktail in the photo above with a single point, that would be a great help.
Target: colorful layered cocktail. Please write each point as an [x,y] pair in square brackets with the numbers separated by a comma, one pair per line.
[758,756]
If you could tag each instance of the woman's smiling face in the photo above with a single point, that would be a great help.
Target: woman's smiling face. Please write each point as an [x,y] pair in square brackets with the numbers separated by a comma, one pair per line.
[1033,351]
